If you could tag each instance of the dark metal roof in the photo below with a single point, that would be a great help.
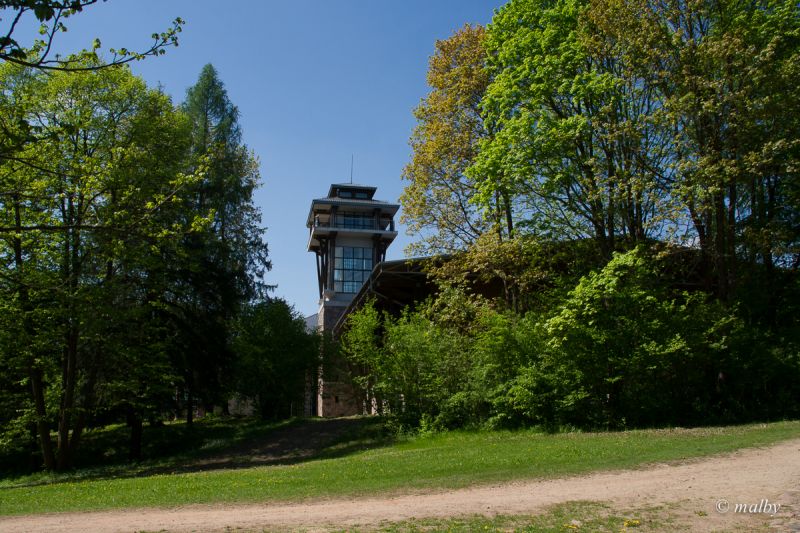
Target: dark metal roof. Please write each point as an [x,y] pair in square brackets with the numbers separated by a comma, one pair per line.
[394,285]
[398,284]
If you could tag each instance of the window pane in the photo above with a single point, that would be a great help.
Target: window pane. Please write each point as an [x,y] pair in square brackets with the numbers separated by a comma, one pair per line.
[337,263]
[338,287]
[337,275]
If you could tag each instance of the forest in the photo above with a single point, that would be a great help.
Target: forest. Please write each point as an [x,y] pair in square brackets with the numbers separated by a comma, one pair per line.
[132,259]
[626,173]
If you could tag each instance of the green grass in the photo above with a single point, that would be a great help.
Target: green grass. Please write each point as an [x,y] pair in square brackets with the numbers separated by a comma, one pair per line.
[446,460]
[104,451]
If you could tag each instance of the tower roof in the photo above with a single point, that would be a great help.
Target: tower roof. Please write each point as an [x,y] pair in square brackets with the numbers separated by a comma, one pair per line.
[352,188]
[350,195]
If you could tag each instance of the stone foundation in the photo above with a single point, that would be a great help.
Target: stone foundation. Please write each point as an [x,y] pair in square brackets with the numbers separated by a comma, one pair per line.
[334,395]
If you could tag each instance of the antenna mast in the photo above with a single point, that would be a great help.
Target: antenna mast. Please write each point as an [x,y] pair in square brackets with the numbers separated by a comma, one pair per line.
[351,169]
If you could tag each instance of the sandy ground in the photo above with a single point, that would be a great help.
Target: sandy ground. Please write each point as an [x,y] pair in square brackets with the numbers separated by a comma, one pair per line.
[691,491]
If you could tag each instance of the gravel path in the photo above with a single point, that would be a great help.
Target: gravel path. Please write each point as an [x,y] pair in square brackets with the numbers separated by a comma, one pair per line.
[690,491]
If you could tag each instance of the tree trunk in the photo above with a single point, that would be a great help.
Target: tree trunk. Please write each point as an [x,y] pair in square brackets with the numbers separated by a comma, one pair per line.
[190,403]
[69,373]
[509,215]
[34,372]
[42,427]
[69,370]
[720,248]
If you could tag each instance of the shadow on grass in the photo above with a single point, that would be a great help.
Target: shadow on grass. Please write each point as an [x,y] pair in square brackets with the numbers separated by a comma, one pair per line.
[219,444]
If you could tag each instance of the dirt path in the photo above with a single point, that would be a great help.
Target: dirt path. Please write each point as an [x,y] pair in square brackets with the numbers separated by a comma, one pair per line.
[690,490]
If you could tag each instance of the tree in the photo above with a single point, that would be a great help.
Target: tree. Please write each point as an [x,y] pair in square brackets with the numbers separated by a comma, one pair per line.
[82,211]
[573,136]
[275,353]
[226,262]
[51,15]
[632,120]
[732,103]
[444,143]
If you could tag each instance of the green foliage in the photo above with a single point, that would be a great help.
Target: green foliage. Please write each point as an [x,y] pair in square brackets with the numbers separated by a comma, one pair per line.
[416,367]
[622,348]
[571,142]
[633,120]
[87,207]
[222,264]
[127,248]
[528,272]
[52,15]
[275,357]
[650,153]
[436,201]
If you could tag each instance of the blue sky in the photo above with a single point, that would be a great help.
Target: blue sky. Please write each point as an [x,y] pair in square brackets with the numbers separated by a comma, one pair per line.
[315,81]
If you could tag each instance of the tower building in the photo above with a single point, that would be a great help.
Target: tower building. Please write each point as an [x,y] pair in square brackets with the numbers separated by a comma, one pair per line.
[349,232]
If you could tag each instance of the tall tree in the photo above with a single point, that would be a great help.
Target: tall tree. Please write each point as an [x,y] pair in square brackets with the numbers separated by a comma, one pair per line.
[437,202]
[633,119]
[227,262]
[95,185]
[731,99]
[572,135]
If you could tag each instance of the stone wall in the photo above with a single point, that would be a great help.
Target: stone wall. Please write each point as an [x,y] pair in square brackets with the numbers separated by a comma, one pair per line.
[335,395]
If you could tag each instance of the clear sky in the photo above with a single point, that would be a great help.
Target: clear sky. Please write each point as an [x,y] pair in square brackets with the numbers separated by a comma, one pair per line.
[314,81]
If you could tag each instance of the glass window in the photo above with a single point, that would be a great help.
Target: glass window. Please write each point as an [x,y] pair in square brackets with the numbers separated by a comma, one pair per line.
[355,220]
[352,266]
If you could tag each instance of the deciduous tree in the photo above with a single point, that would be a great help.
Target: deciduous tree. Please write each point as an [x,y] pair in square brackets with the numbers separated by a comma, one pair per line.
[52,15]
[437,202]
[101,181]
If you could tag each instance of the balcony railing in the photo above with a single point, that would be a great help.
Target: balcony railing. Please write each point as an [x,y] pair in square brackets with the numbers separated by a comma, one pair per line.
[365,224]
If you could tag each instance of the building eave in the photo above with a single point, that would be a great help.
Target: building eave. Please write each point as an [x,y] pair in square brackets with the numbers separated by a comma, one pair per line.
[385,207]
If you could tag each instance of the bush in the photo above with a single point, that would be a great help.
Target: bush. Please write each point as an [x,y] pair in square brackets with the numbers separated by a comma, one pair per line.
[623,348]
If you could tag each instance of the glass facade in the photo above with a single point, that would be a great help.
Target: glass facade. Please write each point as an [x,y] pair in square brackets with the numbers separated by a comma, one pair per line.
[351,268]
[355,220]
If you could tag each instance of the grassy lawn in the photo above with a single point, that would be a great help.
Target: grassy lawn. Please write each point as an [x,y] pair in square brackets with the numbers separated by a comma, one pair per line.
[104,451]
[446,460]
